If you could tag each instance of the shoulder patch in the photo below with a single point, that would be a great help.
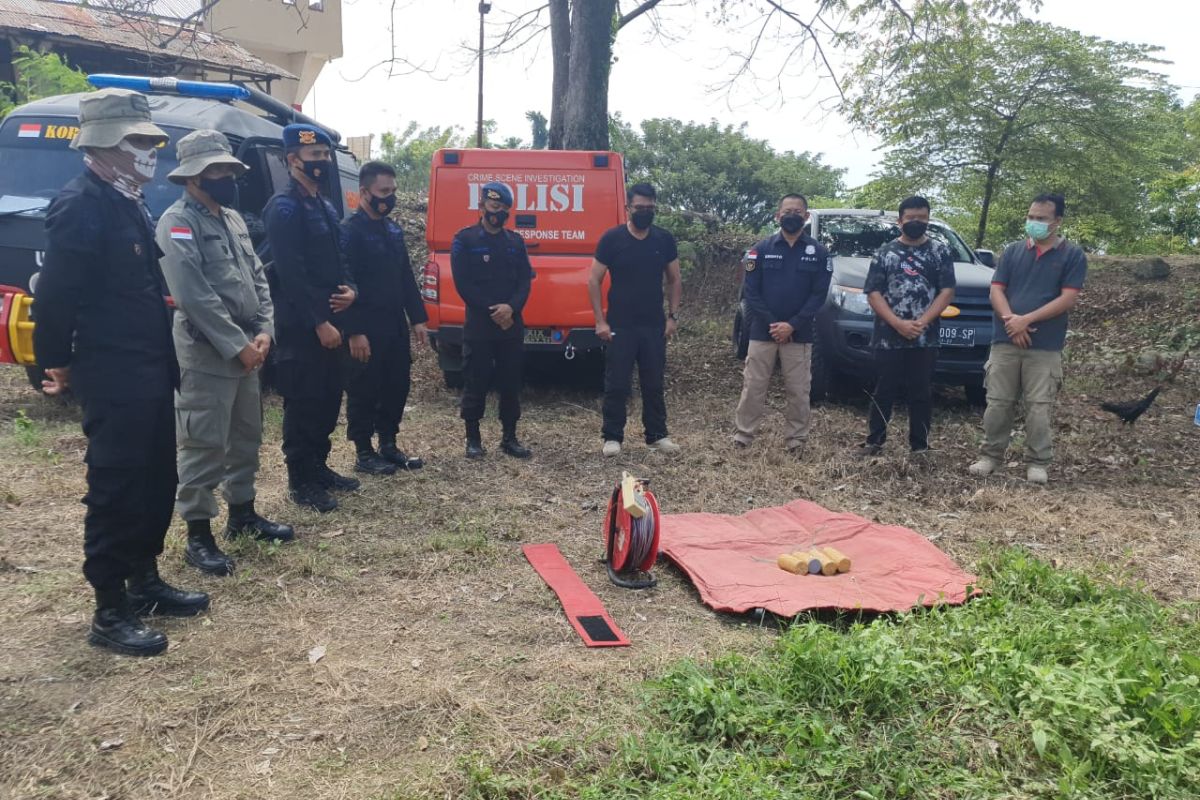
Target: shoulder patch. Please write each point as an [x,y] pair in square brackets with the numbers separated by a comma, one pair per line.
[181,233]
[751,263]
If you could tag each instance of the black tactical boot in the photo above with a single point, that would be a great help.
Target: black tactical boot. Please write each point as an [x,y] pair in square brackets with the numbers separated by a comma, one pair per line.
[202,551]
[393,454]
[474,441]
[332,481]
[244,520]
[150,594]
[511,445]
[116,628]
[312,495]
[372,463]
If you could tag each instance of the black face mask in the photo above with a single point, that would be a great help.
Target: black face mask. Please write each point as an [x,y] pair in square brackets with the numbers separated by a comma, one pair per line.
[496,218]
[791,223]
[914,228]
[317,171]
[642,220]
[382,206]
[223,191]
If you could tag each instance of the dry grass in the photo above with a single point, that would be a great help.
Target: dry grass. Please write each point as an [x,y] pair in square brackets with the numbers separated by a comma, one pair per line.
[444,649]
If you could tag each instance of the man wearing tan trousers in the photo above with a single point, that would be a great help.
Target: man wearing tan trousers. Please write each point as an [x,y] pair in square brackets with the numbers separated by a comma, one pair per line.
[787,280]
[1036,283]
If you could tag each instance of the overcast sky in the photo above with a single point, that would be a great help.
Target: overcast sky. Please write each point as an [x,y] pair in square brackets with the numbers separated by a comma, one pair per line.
[676,73]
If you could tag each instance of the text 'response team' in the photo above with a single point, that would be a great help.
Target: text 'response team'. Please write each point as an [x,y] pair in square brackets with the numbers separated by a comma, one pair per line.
[172,407]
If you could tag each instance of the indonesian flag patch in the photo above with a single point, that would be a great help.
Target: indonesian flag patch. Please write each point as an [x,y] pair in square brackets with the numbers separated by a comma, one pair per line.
[182,233]
[29,131]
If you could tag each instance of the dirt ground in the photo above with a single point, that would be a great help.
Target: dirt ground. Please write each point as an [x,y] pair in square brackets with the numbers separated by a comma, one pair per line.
[444,651]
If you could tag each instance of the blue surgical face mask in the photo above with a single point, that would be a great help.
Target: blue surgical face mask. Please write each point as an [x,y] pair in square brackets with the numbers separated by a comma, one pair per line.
[1036,229]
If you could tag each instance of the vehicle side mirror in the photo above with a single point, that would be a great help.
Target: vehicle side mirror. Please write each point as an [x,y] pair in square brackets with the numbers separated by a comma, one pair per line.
[986,257]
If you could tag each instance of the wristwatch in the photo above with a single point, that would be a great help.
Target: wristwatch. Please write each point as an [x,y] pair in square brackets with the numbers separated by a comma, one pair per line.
[671,316]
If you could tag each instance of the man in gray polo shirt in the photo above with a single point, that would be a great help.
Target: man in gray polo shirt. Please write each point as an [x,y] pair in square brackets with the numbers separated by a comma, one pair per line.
[1037,282]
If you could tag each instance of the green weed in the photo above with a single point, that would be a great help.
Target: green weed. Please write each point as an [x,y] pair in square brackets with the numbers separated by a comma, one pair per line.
[1049,686]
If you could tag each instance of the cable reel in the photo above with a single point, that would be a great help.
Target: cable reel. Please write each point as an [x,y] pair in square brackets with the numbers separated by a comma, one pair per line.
[631,532]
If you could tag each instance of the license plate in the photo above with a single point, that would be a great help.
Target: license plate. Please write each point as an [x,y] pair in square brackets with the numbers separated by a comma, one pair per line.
[537,336]
[954,336]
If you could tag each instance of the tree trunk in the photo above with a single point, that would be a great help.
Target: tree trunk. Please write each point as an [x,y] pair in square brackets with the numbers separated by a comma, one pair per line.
[989,187]
[560,50]
[585,117]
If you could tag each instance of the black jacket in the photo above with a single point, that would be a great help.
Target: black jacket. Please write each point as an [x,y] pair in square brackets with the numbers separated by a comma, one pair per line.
[786,283]
[100,304]
[490,269]
[307,267]
[387,290]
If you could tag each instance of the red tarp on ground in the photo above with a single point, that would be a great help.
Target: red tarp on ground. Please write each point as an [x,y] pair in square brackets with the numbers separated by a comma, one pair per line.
[731,560]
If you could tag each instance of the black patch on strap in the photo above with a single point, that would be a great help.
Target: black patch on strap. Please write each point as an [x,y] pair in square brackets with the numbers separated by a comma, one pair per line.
[597,629]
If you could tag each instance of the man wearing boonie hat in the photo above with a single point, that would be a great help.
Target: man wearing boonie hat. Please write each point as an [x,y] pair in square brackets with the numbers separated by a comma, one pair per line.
[312,290]
[492,275]
[103,330]
[224,325]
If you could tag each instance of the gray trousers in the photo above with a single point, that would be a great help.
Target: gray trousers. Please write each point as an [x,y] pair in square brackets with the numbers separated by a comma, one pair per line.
[218,422]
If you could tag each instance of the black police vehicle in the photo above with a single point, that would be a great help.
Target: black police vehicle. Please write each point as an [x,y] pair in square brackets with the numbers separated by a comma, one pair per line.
[36,160]
[842,355]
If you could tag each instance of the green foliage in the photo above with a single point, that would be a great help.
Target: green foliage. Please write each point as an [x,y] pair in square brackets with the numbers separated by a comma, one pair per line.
[986,115]
[1048,686]
[539,130]
[39,75]
[411,151]
[719,171]
[25,430]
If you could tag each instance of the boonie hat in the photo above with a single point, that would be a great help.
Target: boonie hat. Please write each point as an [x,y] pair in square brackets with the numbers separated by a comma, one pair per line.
[200,150]
[496,191]
[109,115]
[299,135]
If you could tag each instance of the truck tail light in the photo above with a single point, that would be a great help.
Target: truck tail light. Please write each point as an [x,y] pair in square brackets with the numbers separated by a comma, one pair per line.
[430,277]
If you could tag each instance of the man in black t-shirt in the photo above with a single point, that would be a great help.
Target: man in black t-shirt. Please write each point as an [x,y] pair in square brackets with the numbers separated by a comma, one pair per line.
[909,284]
[641,258]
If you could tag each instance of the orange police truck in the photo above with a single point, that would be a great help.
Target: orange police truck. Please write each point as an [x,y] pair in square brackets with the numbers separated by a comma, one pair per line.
[563,201]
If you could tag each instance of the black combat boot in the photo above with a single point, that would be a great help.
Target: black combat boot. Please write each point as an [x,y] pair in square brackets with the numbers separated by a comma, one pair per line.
[332,481]
[150,594]
[305,490]
[393,454]
[202,551]
[474,441]
[244,520]
[511,445]
[370,462]
[116,628]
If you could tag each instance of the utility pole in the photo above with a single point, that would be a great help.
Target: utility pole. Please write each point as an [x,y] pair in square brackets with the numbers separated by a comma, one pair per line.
[484,8]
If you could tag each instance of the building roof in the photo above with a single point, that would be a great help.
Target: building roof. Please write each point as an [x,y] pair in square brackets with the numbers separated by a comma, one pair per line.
[73,23]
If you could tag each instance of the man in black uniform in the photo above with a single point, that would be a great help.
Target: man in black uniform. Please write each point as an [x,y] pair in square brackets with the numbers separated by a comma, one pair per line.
[492,274]
[387,291]
[641,257]
[103,330]
[311,287]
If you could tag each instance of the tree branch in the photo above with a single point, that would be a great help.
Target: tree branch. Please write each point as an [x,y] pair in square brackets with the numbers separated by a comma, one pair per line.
[635,13]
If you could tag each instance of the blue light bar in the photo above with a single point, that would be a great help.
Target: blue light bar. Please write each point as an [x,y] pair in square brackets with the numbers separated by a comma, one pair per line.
[211,91]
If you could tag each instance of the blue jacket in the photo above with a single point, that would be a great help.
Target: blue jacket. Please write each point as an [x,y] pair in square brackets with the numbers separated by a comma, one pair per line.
[387,289]
[490,269]
[786,283]
[308,266]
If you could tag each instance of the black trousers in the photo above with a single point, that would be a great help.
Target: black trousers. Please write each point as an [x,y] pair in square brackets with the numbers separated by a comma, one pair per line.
[485,361]
[647,347]
[311,384]
[908,369]
[377,391]
[130,485]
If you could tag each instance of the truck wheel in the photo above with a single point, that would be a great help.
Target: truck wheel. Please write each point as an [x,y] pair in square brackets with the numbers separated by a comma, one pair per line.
[450,359]
[976,394]
[822,374]
[36,375]
[740,337]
